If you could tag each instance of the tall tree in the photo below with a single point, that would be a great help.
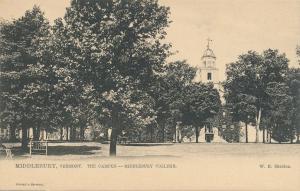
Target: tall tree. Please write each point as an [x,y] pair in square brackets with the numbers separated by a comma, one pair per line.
[242,108]
[280,112]
[113,46]
[248,78]
[202,102]
[293,83]
[22,77]
[169,94]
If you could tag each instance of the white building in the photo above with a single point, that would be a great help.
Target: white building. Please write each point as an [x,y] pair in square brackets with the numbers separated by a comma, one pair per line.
[207,70]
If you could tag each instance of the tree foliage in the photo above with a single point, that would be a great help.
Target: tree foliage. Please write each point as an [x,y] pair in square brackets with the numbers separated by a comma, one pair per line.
[23,78]
[250,82]
[115,49]
[169,95]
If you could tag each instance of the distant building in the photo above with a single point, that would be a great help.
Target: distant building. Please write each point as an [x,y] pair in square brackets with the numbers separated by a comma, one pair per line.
[207,72]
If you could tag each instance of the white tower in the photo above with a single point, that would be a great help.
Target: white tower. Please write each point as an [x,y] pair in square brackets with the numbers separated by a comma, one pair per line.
[207,71]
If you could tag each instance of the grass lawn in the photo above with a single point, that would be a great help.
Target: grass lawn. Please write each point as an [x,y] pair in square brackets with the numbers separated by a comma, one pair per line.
[91,150]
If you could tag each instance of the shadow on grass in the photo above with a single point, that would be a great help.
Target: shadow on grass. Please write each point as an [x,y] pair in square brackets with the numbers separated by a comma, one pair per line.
[55,151]
[146,144]
[72,150]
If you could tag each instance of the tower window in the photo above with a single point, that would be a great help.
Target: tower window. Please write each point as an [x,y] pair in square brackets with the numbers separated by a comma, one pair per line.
[209,76]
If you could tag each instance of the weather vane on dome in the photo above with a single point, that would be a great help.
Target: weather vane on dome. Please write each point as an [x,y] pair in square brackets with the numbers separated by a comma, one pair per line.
[208,40]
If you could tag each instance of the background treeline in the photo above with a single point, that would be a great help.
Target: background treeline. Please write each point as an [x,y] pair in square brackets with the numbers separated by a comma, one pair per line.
[105,62]
[263,91]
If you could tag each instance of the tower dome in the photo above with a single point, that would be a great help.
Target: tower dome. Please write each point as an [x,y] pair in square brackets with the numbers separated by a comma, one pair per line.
[208,53]
[207,69]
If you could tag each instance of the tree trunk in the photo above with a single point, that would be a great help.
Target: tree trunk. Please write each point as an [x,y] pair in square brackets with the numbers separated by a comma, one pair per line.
[12,132]
[163,133]
[24,139]
[264,134]
[179,136]
[113,143]
[239,133]
[67,131]
[297,133]
[268,135]
[36,133]
[151,135]
[114,134]
[72,134]
[197,134]
[175,136]
[81,133]
[61,133]
[258,116]
[246,128]
[42,135]
[292,134]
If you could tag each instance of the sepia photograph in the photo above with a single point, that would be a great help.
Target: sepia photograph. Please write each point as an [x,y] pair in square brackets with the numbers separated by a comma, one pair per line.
[142,95]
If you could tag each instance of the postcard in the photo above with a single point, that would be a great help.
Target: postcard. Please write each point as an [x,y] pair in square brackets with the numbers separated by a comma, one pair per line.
[142,95]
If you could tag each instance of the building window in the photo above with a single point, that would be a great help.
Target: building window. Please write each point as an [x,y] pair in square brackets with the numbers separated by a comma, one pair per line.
[209,76]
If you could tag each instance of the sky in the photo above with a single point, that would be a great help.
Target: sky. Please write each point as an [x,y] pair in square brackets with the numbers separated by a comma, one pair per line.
[235,26]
